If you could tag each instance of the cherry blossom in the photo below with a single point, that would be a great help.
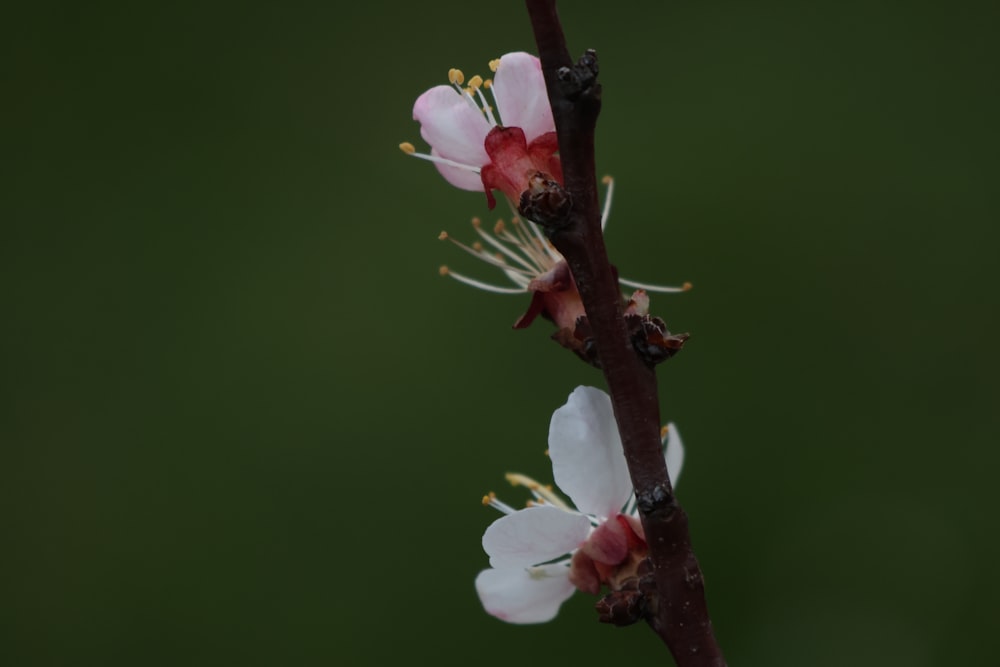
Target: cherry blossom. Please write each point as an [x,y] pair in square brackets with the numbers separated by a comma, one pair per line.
[541,554]
[479,146]
[529,260]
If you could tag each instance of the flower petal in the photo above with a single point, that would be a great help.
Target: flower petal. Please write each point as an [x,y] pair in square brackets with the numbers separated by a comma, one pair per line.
[675,453]
[454,128]
[586,452]
[466,179]
[518,595]
[534,535]
[519,92]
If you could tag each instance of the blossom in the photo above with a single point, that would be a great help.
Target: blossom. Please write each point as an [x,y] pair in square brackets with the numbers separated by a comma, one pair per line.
[529,260]
[541,554]
[479,146]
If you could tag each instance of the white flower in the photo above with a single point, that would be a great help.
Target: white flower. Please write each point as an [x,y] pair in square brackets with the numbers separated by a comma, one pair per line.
[541,554]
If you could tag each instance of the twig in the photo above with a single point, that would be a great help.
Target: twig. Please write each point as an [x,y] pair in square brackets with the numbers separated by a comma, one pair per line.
[678,612]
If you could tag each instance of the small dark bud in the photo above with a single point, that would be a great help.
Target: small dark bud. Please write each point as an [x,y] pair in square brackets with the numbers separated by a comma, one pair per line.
[581,78]
[656,499]
[651,339]
[546,202]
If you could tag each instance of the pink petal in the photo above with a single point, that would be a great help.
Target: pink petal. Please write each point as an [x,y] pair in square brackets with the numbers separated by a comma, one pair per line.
[674,454]
[466,179]
[519,91]
[608,543]
[452,126]
[534,535]
[586,452]
[522,596]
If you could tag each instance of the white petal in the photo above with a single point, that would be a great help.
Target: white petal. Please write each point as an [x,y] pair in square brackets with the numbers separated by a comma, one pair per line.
[460,178]
[586,452]
[519,91]
[675,453]
[534,535]
[452,126]
[520,595]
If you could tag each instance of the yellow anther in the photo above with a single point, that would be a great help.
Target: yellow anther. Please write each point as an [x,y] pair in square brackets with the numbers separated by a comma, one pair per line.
[407,148]
[488,84]
[517,479]
[489,498]
[494,64]
[443,270]
[475,82]
[498,256]
[477,246]
[456,76]
[499,227]
[531,503]
[607,180]
[664,431]
[547,453]
[443,236]
[686,286]
[476,222]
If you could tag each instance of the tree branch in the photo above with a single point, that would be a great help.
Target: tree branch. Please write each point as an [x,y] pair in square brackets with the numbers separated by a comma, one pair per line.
[677,611]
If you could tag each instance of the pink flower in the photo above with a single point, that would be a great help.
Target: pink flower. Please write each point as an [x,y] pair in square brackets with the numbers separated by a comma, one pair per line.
[470,146]
[530,261]
[541,554]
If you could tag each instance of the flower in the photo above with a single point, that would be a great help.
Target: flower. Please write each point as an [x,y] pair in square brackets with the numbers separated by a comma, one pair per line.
[541,554]
[470,146]
[530,261]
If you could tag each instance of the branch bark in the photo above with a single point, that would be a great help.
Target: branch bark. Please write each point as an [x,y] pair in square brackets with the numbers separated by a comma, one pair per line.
[678,612]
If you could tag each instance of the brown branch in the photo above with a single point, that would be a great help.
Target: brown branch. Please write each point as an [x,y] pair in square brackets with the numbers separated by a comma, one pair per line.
[678,611]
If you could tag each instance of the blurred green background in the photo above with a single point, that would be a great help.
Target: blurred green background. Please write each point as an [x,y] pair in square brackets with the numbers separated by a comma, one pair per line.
[244,421]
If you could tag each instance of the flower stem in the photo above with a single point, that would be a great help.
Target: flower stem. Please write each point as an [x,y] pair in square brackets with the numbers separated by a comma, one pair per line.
[678,613]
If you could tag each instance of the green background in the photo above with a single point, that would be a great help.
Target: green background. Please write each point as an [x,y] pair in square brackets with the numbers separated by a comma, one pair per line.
[244,421]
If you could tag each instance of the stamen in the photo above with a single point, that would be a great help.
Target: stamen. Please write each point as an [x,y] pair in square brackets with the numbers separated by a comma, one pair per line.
[455,76]
[486,287]
[475,82]
[662,289]
[488,84]
[487,109]
[407,148]
[538,572]
[540,260]
[494,64]
[434,158]
[486,257]
[543,242]
[606,211]
[529,270]
[663,433]
[541,492]
[490,500]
